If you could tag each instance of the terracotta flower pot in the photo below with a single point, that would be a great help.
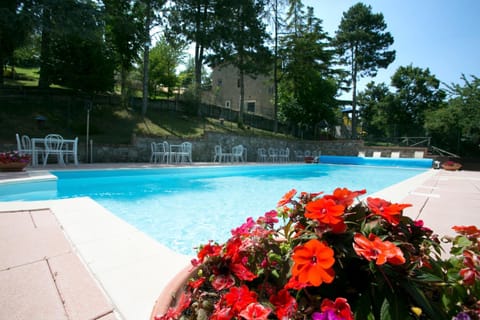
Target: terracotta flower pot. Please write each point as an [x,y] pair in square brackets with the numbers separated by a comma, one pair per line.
[308,159]
[169,296]
[13,166]
[452,166]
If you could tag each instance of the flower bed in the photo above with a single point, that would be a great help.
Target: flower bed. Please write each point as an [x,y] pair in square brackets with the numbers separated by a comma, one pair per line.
[332,256]
[13,161]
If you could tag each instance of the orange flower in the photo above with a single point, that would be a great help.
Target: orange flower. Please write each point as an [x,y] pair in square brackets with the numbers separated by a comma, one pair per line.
[344,196]
[374,248]
[471,231]
[286,198]
[313,263]
[387,210]
[325,211]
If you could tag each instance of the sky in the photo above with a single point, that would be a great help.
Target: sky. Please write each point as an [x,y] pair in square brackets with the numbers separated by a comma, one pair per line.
[441,35]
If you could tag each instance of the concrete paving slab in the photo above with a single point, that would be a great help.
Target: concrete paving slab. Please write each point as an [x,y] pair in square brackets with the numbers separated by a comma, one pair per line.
[78,289]
[32,246]
[29,292]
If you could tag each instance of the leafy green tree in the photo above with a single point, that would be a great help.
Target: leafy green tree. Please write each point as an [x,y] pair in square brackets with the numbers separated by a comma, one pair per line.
[377,112]
[456,125]
[123,34]
[273,11]
[193,22]
[16,22]
[362,44]
[164,60]
[74,53]
[241,41]
[307,89]
[150,13]
[417,92]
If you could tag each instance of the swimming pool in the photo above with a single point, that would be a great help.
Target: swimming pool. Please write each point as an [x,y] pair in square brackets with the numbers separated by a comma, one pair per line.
[183,207]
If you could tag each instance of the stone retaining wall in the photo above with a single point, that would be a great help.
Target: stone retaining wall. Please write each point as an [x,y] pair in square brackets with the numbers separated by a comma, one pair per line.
[202,148]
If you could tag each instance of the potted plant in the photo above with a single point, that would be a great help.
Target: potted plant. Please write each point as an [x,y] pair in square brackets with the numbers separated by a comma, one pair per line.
[13,161]
[327,257]
[451,165]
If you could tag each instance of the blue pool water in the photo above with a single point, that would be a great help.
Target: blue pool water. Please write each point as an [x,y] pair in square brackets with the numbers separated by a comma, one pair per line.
[184,207]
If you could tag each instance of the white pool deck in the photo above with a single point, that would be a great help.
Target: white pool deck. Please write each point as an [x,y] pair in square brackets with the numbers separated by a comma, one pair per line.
[72,259]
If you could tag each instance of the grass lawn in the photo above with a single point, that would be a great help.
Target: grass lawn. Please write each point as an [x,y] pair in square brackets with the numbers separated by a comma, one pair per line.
[107,124]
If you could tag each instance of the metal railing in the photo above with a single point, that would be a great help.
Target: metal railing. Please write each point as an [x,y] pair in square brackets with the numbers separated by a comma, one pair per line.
[416,141]
[443,153]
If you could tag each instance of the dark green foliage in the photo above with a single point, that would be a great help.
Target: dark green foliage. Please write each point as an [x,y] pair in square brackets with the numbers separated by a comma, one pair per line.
[362,44]
[16,22]
[307,88]
[74,53]
[456,125]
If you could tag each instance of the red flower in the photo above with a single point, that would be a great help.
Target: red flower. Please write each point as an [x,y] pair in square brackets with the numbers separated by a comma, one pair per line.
[221,313]
[244,229]
[175,312]
[340,308]
[196,283]
[471,272]
[376,249]
[344,197]
[287,197]
[313,263]
[239,298]
[242,272]
[325,211]
[285,305]
[207,250]
[222,281]
[269,217]
[387,210]
[255,311]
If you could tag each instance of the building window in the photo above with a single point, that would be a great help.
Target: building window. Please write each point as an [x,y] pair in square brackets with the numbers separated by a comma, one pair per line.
[228,104]
[251,106]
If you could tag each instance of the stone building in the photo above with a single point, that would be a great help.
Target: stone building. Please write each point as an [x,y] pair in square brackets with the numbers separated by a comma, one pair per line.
[225,91]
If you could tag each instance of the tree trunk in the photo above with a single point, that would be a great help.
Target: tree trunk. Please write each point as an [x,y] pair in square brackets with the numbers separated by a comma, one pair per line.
[198,75]
[242,99]
[123,86]
[354,95]
[146,58]
[45,70]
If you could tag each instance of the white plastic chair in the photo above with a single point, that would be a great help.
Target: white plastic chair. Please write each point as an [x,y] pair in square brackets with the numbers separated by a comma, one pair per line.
[299,155]
[24,146]
[377,154]
[185,153]
[284,155]
[160,151]
[272,154]
[71,152]
[217,153]
[237,153]
[261,155]
[361,154]
[54,146]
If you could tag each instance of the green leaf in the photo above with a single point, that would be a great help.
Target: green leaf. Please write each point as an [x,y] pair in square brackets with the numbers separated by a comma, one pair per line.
[385,311]
[419,297]
[363,310]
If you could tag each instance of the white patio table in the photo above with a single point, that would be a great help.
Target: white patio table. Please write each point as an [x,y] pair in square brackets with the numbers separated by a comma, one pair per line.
[40,142]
